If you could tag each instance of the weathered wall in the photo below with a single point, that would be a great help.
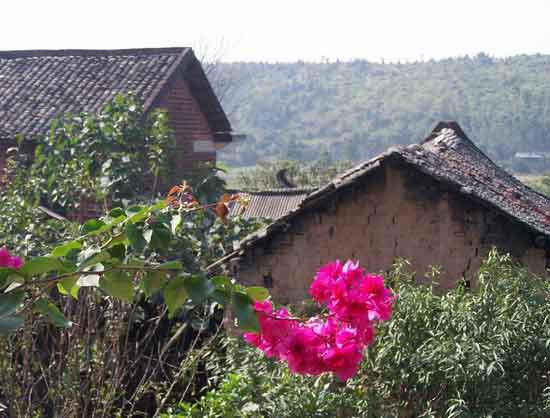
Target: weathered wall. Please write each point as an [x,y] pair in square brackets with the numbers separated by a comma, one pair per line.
[395,212]
[195,140]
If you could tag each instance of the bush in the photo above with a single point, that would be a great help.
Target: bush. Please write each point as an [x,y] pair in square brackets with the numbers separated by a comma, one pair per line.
[478,353]
[253,386]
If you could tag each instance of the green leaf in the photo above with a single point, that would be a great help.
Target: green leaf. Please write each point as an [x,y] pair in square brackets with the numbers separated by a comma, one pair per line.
[223,297]
[175,295]
[117,251]
[52,312]
[68,286]
[117,212]
[41,265]
[160,239]
[118,284]
[245,313]
[135,237]
[224,288]
[91,226]
[138,213]
[198,288]
[9,302]
[171,265]
[222,282]
[92,256]
[10,324]
[7,275]
[135,209]
[257,293]
[175,222]
[153,282]
[63,250]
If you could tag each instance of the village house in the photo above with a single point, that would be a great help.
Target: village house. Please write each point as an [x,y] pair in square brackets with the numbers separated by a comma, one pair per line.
[439,203]
[38,86]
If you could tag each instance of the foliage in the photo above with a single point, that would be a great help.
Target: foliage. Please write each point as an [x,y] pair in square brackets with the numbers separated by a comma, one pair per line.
[264,175]
[252,386]
[116,316]
[24,228]
[127,249]
[540,184]
[467,354]
[358,109]
[478,353]
[120,153]
[84,159]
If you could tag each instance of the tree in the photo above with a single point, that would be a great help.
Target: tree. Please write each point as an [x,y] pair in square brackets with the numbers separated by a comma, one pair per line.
[128,286]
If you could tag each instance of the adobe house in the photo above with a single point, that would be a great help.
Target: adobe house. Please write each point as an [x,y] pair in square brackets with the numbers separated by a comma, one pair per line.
[38,86]
[442,202]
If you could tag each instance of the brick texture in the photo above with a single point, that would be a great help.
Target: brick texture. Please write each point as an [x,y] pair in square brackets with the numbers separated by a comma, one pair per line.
[189,125]
[395,212]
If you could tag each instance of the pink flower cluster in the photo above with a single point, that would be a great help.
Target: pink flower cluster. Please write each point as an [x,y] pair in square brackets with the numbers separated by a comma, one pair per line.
[334,343]
[8,260]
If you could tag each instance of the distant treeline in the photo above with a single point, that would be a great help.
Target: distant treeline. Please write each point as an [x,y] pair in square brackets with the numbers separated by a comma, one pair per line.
[354,110]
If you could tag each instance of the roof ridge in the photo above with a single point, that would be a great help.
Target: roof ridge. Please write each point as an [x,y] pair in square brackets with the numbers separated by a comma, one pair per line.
[430,143]
[36,53]
[455,127]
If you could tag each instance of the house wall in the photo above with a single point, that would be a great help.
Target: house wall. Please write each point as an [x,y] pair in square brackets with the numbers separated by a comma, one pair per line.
[195,140]
[395,212]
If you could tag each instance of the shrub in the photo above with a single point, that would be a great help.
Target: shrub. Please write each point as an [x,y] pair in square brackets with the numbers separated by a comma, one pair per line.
[253,386]
[478,353]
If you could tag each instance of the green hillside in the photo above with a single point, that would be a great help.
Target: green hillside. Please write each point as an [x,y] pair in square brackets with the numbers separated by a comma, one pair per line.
[357,109]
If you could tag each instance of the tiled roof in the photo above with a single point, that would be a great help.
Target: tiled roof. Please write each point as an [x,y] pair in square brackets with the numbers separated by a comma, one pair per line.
[37,86]
[270,204]
[448,156]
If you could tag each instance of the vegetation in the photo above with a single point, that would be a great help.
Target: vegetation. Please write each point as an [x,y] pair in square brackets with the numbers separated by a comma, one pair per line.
[475,353]
[116,317]
[540,183]
[355,110]
[107,318]
[265,174]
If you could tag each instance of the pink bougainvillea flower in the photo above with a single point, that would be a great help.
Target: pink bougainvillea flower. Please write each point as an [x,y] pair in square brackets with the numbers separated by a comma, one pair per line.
[323,282]
[352,275]
[15,263]
[8,260]
[304,351]
[275,329]
[380,298]
[343,361]
[5,257]
[355,301]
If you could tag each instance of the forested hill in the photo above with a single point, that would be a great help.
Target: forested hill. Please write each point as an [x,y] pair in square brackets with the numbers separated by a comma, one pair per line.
[358,109]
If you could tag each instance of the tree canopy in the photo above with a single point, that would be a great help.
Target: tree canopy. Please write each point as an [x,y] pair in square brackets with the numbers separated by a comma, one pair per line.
[355,110]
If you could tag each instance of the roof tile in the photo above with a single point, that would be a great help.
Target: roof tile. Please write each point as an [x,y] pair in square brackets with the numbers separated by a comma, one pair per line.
[270,204]
[37,86]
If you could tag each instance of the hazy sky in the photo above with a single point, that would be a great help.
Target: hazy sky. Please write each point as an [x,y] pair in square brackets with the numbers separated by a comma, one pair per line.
[284,30]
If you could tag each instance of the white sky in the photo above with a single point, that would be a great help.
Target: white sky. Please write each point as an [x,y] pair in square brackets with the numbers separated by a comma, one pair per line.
[284,30]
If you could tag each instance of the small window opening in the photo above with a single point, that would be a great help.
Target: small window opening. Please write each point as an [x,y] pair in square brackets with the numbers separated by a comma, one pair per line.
[268,280]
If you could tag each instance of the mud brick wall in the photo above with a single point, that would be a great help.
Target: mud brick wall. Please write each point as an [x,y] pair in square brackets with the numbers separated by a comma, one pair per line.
[394,212]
